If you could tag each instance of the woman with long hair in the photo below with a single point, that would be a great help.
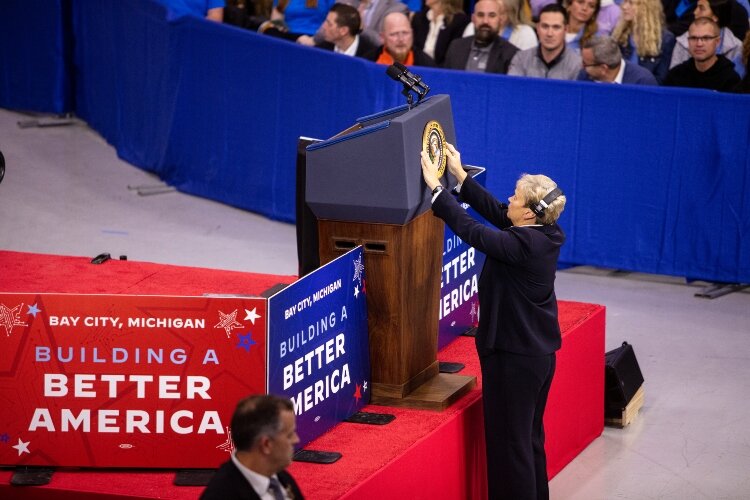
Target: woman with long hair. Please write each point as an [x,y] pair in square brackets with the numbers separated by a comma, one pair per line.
[729,46]
[437,25]
[643,36]
[582,24]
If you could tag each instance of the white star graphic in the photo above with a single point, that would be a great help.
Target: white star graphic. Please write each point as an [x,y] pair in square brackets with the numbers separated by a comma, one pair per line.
[251,315]
[22,447]
[227,445]
[356,291]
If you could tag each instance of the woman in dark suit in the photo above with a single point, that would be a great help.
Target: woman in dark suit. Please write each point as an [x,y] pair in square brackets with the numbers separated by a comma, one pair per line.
[518,332]
[437,25]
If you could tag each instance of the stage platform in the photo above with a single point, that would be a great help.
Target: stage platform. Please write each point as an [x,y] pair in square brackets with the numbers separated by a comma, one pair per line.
[421,454]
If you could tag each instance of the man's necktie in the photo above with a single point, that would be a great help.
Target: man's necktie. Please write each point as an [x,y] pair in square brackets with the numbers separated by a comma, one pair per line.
[275,488]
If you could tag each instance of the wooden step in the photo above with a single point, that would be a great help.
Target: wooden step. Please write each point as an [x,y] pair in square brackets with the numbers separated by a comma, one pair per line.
[628,414]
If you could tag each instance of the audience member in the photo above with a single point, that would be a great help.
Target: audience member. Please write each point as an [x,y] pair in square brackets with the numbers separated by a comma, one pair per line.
[609,15]
[437,25]
[210,9]
[744,86]
[680,13]
[643,37]
[341,33]
[551,59]
[264,434]
[705,69]
[581,21]
[301,17]
[511,28]
[602,62]
[249,15]
[398,43]
[371,14]
[485,51]
[729,45]
[536,7]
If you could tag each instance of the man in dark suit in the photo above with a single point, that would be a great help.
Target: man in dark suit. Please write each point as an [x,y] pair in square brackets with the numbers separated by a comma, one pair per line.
[486,51]
[602,62]
[264,434]
[518,332]
[341,33]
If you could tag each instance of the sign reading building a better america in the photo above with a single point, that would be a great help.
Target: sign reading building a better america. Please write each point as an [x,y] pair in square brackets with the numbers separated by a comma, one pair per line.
[459,280]
[125,381]
[318,345]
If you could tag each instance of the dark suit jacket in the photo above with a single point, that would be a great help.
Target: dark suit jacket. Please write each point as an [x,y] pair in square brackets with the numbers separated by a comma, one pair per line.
[366,49]
[517,284]
[229,484]
[501,54]
[633,74]
[449,32]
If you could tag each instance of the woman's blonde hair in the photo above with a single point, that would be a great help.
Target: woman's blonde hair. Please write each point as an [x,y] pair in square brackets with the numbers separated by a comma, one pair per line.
[512,9]
[534,188]
[646,27]
[451,8]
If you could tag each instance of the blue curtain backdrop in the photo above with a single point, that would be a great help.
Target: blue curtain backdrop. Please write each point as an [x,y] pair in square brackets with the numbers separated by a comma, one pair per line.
[35,55]
[656,178]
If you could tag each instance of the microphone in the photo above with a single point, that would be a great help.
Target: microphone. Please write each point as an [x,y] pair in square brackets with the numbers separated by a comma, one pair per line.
[394,72]
[409,80]
[417,80]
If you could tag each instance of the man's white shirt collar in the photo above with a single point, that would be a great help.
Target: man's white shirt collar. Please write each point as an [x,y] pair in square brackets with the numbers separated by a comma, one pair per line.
[258,482]
[352,50]
[618,78]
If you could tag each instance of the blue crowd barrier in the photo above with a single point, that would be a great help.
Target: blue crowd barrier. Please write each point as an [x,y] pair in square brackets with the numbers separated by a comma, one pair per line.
[655,177]
[35,55]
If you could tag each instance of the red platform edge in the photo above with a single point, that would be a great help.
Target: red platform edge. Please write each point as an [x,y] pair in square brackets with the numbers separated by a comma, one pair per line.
[423,454]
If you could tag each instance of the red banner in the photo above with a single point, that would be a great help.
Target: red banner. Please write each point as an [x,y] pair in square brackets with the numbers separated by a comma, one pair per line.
[125,381]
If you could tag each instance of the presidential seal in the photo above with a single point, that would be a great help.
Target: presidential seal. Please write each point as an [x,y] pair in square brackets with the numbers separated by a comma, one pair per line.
[433,141]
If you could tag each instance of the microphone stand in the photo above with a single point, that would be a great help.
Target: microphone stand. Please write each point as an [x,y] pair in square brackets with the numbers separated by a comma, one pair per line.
[409,97]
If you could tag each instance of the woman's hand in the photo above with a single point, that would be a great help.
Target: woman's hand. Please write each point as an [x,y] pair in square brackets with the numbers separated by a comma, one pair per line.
[429,171]
[454,163]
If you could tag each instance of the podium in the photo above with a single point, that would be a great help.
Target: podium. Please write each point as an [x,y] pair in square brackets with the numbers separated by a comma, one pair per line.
[365,188]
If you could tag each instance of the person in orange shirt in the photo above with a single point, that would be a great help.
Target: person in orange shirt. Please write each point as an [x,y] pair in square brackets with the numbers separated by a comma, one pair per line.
[398,43]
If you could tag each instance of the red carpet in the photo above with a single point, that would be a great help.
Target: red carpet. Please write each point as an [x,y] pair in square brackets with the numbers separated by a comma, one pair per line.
[441,454]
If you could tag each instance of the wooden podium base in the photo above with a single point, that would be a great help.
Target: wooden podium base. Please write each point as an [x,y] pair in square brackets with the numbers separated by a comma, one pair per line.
[437,393]
[402,265]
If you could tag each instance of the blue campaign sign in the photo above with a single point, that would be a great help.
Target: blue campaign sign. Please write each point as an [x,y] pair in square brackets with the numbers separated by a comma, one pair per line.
[459,304]
[318,349]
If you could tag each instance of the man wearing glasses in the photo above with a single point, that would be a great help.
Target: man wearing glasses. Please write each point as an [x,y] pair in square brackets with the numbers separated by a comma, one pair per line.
[602,62]
[705,69]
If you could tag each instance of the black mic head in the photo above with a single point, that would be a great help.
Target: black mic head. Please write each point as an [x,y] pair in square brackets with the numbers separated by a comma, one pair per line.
[400,67]
[394,72]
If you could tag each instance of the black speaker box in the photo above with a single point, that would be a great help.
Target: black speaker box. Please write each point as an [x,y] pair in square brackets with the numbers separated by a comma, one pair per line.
[623,377]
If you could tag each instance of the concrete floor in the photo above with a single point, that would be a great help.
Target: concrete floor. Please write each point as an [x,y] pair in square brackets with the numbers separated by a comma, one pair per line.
[66,192]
